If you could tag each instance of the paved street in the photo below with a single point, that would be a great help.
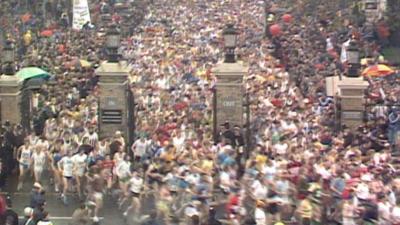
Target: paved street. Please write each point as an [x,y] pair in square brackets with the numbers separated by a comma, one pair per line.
[60,213]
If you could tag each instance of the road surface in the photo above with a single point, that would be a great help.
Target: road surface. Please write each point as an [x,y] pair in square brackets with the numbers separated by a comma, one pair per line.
[60,214]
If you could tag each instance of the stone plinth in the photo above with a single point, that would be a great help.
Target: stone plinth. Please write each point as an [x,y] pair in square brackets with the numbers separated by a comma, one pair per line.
[228,99]
[10,99]
[113,99]
[352,101]
[332,85]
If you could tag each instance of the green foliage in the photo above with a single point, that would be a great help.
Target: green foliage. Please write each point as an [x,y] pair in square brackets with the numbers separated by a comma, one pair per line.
[392,54]
[393,15]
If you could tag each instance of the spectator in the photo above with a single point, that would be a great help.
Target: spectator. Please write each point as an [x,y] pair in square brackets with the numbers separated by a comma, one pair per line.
[10,215]
[28,217]
[45,220]
[37,196]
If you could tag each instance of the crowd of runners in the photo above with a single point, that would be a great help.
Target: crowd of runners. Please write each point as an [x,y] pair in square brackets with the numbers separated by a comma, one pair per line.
[296,169]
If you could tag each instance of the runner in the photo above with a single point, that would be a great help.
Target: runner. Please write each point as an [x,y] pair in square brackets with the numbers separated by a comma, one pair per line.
[80,165]
[103,147]
[95,195]
[56,155]
[123,171]
[66,167]
[140,149]
[107,172]
[33,139]
[39,159]
[24,159]
[93,138]
[135,187]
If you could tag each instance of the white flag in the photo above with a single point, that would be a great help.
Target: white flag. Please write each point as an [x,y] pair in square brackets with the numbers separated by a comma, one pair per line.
[343,52]
[81,14]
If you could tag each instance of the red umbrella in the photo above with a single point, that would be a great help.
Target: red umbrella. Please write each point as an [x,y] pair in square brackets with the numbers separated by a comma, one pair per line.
[287,18]
[46,33]
[319,66]
[26,17]
[275,30]
[379,70]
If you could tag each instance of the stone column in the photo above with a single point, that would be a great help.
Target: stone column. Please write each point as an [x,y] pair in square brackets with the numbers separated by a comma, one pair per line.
[113,99]
[10,99]
[228,96]
[352,101]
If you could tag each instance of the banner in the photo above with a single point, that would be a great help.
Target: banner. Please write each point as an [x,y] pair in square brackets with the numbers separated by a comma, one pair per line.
[343,53]
[81,14]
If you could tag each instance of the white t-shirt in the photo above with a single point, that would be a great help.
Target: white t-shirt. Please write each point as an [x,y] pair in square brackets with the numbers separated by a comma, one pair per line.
[259,190]
[395,217]
[103,149]
[39,160]
[225,179]
[281,148]
[93,138]
[322,171]
[140,147]
[26,154]
[288,126]
[362,191]
[118,158]
[67,166]
[80,163]
[269,172]
[123,169]
[179,142]
[383,212]
[136,184]
[259,216]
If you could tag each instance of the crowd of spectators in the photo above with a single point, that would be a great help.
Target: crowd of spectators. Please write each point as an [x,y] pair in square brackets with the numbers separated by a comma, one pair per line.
[296,168]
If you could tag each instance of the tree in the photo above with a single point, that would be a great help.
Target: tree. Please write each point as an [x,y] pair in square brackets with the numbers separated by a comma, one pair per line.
[393,21]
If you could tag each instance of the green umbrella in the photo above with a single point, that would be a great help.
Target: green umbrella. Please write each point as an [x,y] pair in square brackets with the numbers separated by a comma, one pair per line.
[32,72]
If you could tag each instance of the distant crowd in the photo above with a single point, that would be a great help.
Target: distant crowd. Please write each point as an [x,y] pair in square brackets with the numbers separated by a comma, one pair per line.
[295,169]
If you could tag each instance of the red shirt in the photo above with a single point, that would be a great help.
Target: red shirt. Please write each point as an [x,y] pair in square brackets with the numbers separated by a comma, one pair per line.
[233,201]
[277,102]
[107,164]
[180,106]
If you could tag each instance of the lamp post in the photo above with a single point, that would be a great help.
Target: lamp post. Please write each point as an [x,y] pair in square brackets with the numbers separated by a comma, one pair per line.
[351,90]
[229,95]
[353,57]
[113,42]
[10,87]
[115,100]
[230,39]
[8,58]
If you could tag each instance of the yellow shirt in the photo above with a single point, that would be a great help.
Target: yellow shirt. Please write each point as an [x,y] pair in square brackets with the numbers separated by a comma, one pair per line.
[260,161]
[305,209]
[207,165]
[27,38]
[75,115]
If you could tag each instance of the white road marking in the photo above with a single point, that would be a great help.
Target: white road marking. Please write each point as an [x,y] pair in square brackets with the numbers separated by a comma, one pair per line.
[60,217]
[29,193]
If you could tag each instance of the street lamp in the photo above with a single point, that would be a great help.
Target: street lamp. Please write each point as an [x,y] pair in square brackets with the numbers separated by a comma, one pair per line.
[113,42]
[353,57]
[8,58]
[230,39]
